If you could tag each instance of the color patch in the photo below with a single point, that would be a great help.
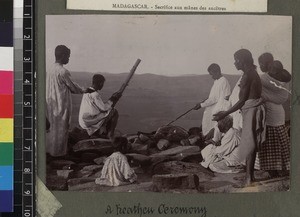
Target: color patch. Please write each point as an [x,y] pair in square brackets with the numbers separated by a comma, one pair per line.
[6,130]
[6,178]
[6,58]
[7,153]
[6,201]
[6,82]
[6,106]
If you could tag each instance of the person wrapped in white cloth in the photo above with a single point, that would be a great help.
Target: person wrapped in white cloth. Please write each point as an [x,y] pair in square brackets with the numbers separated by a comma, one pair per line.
[116,170]
[222,156]
[98,118]
[217,101]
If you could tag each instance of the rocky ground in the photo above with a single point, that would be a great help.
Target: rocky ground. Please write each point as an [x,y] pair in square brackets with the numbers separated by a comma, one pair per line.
[164,162]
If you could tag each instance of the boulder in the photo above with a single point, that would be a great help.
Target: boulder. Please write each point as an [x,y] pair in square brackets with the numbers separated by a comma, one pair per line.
[100,160]
[60,164]
[89,171]
[64,173]
[163,144]
[171,133]
[100,146]
[88,157]
[77,135]
[179,150]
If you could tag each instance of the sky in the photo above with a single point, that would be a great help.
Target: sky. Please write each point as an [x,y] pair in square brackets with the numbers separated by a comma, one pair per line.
[170,45]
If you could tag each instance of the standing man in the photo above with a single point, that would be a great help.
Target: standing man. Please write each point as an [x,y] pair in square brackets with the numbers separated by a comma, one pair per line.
[253,112]
[217,100]
[59,88]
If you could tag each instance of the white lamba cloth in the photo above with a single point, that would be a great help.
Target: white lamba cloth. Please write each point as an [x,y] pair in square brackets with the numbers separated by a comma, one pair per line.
[59,89]
[116,171]
[216,102]
[93,107]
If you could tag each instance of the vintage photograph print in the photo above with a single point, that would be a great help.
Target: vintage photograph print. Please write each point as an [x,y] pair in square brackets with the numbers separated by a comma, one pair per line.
[168,103]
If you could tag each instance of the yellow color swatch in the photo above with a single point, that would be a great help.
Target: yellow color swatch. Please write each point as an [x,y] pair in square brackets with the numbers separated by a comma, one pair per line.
[6,130]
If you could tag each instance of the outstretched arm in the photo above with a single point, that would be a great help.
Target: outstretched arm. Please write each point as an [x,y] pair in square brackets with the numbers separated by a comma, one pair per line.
[72,86]
[243,96]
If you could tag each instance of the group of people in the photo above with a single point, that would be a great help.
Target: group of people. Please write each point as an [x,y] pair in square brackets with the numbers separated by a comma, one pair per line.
[248,124]
[97,117]
[236,125]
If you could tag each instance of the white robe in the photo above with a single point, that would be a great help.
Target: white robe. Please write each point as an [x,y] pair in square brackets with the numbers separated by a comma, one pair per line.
[116,171]
[226,151]
[216,102]
[93,106]
[59,88]
[233,99]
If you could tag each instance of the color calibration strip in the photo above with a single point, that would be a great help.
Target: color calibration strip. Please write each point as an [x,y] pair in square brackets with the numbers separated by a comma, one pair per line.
[6,106]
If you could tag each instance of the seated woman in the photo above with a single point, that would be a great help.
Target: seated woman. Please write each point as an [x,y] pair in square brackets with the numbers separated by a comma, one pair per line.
[222,156]
[116,170]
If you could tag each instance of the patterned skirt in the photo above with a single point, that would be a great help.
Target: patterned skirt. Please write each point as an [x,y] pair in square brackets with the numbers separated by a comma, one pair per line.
[274,153]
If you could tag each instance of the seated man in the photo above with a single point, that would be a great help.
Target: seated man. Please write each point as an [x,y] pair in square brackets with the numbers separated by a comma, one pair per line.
[224,151]
[116,170]
[98,118]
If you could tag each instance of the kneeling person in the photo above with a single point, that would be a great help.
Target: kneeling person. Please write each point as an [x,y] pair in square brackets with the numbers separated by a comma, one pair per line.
[222,157]
[98,118]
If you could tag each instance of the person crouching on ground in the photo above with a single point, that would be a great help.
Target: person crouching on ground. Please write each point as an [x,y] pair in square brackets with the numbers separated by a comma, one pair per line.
[222,156]
[116,170]
[98,118]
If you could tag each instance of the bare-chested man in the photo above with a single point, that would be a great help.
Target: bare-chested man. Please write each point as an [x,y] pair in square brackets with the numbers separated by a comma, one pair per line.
[253,112]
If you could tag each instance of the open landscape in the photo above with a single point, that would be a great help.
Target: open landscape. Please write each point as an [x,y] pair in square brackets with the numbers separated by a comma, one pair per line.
[151,101]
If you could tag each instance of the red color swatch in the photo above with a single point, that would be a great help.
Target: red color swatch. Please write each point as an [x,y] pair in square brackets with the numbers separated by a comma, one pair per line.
[6,106]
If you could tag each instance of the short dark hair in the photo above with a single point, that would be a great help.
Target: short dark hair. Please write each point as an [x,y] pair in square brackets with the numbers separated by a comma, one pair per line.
[120,144]
[226,123]
[266,57]
[245,56]
[60,51]
[98,78]
[214,67]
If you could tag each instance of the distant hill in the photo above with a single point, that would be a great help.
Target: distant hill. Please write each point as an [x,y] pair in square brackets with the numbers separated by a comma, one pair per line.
[150,100]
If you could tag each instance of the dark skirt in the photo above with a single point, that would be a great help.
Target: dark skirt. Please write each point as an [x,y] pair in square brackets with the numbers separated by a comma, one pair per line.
[274,153]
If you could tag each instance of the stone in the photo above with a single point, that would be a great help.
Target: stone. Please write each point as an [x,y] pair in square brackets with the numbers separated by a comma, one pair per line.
[59,164]
[89,171]
[100,146]
[141,159]
[163,144]
[178,150]
[185,142]
[64,173]
[143,138]
[77,135]
[100,160]
[175,181]
[88,157]
[171,133]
